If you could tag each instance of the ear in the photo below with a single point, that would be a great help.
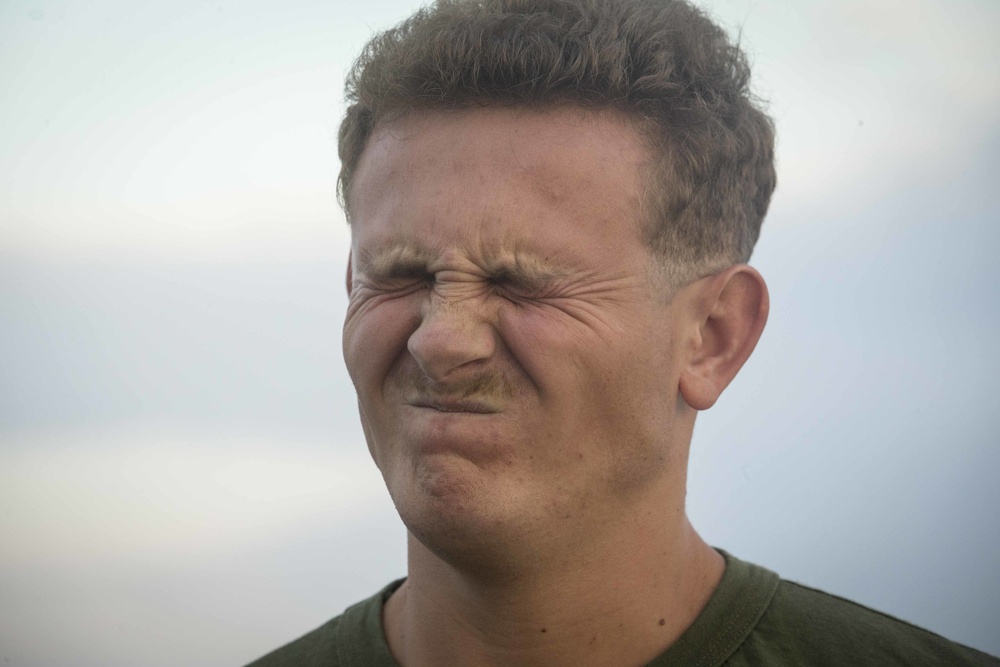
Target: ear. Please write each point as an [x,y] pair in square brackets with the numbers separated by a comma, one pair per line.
[350,275]
[730,313]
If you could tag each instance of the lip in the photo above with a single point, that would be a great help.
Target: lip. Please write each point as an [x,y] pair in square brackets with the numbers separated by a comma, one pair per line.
[451,405]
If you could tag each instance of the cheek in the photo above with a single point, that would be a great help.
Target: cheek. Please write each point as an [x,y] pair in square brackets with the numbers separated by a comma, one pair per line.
[541,340]
[615,382]
[562,354]
[561,359]
[374,337]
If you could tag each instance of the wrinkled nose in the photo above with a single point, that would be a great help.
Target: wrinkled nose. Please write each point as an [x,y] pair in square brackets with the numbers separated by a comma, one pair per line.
[452,334]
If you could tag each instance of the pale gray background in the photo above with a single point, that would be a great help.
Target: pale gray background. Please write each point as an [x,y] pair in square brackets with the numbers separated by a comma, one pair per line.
[182,477]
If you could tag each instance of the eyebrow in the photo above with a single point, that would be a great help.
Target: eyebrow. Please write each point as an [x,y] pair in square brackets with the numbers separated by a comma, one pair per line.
[392,261]
[526,269]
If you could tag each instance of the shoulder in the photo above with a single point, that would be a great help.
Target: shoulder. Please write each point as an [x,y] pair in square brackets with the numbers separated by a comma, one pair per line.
[354,638]
[803,625]
[318,647]
[313,648]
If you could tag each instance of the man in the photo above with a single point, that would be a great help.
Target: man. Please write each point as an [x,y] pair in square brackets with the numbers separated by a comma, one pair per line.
[552,205]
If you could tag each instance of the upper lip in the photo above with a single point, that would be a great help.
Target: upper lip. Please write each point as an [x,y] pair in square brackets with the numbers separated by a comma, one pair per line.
[444,404]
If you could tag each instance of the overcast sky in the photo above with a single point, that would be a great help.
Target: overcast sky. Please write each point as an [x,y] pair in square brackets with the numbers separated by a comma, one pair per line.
[182,476]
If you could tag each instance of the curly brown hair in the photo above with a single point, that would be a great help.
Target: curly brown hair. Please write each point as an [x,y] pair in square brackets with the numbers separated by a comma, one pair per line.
[663,63]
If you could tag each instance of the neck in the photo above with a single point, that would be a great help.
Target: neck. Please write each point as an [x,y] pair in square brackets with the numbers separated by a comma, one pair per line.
[623,600]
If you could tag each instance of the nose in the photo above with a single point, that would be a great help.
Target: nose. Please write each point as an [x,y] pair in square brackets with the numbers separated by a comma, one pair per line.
[453,333]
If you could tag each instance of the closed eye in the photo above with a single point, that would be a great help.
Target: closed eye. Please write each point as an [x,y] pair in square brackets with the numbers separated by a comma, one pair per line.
[401,276]
[517,284]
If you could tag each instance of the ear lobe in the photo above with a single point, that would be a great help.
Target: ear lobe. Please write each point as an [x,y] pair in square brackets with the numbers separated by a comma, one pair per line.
[735,310]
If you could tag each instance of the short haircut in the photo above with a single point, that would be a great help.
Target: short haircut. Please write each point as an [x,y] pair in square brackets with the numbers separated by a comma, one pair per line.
[662,63]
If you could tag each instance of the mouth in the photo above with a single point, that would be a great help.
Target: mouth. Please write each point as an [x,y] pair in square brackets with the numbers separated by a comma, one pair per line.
[470,406]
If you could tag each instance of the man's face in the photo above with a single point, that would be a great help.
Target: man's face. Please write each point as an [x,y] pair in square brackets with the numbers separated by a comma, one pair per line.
[514,361]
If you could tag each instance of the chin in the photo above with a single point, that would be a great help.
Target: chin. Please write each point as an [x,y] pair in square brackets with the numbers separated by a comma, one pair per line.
[458,512]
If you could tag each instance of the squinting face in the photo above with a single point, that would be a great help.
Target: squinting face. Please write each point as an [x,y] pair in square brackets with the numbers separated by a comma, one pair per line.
[514,361]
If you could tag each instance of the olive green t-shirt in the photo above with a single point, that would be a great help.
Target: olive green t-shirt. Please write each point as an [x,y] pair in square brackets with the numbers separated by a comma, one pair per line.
[752,618]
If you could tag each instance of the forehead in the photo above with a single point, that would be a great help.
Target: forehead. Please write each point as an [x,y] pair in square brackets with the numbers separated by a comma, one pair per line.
[500,180]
